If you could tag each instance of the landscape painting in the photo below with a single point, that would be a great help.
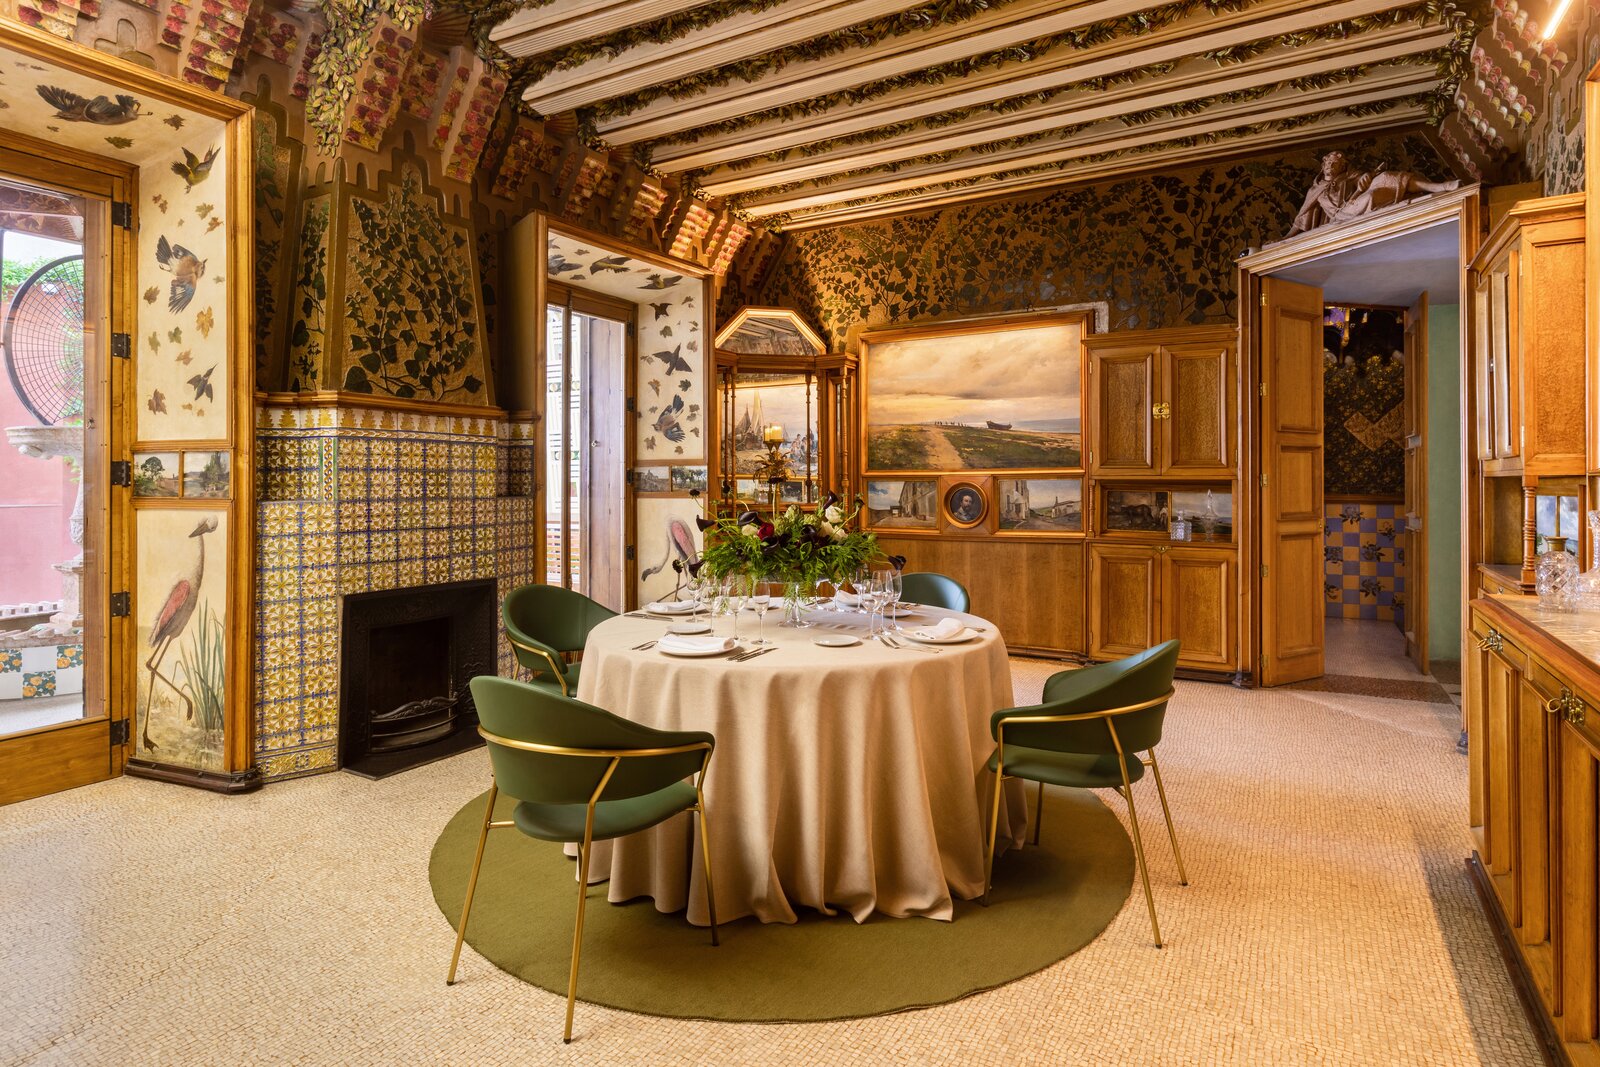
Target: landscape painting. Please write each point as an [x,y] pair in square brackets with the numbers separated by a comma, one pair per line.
[155,473]
[903,504]
[1042,505]
[652,479]
[985,399]
[205,474]
[762,400]
[1206,508]
[1137,510]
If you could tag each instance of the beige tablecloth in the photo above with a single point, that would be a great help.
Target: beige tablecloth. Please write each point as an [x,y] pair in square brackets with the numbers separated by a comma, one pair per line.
[843,778]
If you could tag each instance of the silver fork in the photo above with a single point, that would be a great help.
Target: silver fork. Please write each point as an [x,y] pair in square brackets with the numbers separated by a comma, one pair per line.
[904,646]
[644,647]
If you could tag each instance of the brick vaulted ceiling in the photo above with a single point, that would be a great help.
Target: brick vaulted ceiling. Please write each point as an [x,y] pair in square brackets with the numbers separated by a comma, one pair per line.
[805,113]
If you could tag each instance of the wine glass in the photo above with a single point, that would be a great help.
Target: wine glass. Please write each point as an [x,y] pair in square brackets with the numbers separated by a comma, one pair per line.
[888,582]
[737,595]
[692,589]
[858,583]
[761,596]
[867,589]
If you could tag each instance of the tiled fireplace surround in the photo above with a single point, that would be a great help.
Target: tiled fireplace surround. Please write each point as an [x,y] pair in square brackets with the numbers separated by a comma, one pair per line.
[354,500]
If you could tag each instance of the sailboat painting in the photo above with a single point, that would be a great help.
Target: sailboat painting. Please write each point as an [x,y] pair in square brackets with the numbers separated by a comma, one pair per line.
[774,400]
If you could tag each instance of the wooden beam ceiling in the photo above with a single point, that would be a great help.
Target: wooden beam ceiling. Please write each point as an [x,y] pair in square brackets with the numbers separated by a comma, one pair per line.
[811,112]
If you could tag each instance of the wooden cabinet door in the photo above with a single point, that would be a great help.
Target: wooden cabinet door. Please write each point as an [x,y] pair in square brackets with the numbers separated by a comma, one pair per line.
[1549,345]
[1502,686]
[1124,605]
[1483,349]
[1535,844]
[1199,606]
[1577,779]
[1196,433]
[1503,328]
[1125,393]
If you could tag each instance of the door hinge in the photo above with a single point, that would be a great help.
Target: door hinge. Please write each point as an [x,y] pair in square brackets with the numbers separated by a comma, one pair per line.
[1263,570]
[1263,298]
[1263,481]
[1091,455]
[628,478]
[628,553]
[1263,662]
[630,406]
[121,731]
[1263,388]
[121,345]
[120,608]
[121,473]
[122,214]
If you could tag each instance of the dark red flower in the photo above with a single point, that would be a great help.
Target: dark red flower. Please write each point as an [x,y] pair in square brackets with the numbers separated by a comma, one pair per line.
[765,531]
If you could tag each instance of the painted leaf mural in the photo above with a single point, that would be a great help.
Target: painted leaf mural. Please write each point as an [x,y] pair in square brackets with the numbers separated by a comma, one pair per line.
[413,328]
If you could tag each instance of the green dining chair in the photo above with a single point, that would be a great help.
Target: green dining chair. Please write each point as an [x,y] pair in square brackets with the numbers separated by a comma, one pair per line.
[1087,733]
[545,624]
[935,590]
[581,774]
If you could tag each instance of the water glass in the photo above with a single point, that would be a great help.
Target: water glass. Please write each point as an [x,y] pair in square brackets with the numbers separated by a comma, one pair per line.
[738,595]
[888,582]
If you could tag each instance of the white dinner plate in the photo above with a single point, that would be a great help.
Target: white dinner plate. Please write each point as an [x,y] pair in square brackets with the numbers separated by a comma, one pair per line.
[664,610]
[695,653]
[903,611]
[960,638]
[836,640]
[689,629]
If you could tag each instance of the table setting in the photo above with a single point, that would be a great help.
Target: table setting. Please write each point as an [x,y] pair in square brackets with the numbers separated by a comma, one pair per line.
[851,732]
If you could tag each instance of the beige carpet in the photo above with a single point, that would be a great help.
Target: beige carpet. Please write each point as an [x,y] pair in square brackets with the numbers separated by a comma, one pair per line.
[1329,922]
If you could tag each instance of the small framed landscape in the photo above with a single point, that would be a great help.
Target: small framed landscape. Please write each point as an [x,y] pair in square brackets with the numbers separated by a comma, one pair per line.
[981,396]
[688,479]
[156,474]
[652,479]
[1039,505]
[206,475]
[903,504]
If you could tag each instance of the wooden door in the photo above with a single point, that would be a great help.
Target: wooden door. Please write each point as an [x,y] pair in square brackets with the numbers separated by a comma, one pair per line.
[79,742]
[1124,394]
[1290,485]
[1196,436]
[1414,541]
[602,447]
[1124,606]
[1199,605]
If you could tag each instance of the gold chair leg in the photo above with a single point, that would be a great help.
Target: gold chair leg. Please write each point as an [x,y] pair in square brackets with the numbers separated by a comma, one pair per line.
[705,854]
[472,884]
[994,830]
[577,935]
[1161,791]
[1038,814]
[1138,848]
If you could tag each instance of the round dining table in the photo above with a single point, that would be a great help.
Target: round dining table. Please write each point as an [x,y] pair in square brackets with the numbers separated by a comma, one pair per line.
[843,778]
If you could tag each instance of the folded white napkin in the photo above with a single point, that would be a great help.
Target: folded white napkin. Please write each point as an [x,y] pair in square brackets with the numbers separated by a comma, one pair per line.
[681,643]
[670,606]
[849,600]
[946,629]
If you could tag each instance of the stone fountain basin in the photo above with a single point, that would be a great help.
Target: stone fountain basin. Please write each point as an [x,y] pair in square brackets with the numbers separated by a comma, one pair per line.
[47,442]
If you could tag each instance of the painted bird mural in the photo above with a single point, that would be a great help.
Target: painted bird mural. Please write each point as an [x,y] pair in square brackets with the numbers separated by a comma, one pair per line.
[195,169]
[103,111]
[186,269]
[201,384]
[666,423]
[680,546]
[661,310]
[174,616]
[618,264]
[560,264]
[656,281]
[674,360]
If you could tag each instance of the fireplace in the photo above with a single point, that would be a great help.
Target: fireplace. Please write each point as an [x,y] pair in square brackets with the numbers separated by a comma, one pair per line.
[408,655]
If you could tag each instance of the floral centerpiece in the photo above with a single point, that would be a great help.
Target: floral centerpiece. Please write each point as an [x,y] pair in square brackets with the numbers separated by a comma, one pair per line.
[798,548]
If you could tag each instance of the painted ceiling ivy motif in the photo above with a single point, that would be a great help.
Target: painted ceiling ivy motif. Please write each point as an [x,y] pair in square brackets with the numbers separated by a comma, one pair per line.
[413,329]
[346,44]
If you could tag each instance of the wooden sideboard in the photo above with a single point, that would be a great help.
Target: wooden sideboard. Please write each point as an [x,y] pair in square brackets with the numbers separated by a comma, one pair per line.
[1533,713]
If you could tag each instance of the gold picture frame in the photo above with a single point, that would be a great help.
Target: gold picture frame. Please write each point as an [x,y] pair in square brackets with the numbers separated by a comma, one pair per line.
[965,504]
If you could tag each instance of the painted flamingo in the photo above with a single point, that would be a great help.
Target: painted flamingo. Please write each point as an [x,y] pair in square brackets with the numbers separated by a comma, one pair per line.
[680,543]
[173,618]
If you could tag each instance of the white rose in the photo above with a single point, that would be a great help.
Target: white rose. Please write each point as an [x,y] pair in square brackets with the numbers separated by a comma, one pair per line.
[825,528]
[749,529]
[833,514]
[839,536]
[792,512]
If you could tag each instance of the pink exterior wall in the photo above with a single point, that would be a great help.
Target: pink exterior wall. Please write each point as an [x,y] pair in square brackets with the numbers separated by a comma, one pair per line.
[36,498]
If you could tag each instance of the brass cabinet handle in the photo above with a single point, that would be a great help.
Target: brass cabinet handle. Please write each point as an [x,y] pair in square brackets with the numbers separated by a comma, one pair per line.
[1569,706]
[1162,410]
[1491,641]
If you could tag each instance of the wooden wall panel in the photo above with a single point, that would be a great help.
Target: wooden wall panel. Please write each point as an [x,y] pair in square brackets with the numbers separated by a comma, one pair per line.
[1032,590]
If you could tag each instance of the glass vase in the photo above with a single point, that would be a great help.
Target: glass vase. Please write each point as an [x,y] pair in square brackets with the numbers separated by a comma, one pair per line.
[1555,576]
[794,605]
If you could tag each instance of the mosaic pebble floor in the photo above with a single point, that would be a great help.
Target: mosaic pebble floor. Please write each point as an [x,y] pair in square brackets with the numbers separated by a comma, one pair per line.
[1330,921]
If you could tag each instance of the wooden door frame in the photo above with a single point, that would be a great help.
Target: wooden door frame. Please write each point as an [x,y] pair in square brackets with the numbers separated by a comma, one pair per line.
[1462,206]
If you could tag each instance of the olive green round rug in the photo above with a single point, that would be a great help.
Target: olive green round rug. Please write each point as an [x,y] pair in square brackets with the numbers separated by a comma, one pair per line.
[1047,903]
